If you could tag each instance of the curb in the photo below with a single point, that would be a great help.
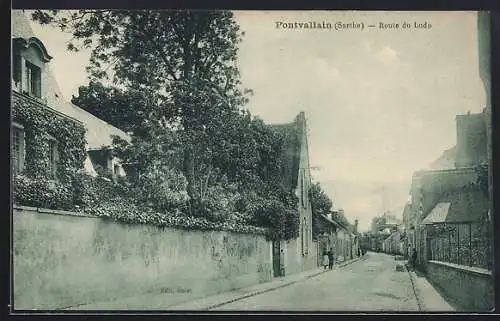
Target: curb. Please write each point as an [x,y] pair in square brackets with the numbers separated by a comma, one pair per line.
[414,287]
[245,296]
[213,306]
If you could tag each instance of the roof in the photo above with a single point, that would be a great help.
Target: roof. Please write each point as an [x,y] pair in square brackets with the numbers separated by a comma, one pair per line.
[326,218]
[459,207]
[290,151]
[99,132]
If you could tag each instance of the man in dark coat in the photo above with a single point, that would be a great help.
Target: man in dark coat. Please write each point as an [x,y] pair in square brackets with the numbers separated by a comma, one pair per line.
[330,259]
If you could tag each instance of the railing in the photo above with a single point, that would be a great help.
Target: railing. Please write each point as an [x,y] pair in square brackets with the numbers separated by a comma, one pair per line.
[466,244]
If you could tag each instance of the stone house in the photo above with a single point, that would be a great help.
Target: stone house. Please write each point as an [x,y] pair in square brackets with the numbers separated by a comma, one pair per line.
[347,239]
[299,254]
[326,235]
[335,234]
[47,127]
[459,177]
[393,244]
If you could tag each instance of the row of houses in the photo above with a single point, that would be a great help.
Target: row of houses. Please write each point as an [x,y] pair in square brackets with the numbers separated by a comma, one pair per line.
[339,236]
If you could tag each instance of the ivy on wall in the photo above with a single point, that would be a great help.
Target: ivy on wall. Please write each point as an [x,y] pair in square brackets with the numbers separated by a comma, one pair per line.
[73,190]
[34,187]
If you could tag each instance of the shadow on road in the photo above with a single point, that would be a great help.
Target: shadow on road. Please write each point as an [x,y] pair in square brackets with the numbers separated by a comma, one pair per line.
[452,302]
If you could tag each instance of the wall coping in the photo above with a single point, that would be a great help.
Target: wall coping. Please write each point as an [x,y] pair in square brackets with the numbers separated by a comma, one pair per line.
[50,211]
[465,268]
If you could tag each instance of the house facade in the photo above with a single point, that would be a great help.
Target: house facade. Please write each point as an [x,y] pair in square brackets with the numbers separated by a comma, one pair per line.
[299,254]
[393,244]
[52,137]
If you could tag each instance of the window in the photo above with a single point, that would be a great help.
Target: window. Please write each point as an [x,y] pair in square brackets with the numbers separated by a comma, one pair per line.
[302,189]
[17,148]
[53,155]
[116,170]
[302,238]
[306,228]
[306,189]
[33,80]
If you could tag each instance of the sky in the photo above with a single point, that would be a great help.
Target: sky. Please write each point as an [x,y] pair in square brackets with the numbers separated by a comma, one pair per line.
[380,103]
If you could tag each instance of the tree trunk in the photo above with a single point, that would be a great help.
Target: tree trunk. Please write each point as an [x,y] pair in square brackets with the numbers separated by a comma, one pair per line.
[188,168]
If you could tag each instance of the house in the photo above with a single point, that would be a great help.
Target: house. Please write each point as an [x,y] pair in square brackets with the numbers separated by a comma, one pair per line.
[326,234]
[51,136]
[347,238]
[299,254]
[336,234]
[393,243]
[430,187]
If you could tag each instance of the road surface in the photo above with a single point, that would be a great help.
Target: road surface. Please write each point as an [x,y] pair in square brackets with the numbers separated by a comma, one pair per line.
[371,284]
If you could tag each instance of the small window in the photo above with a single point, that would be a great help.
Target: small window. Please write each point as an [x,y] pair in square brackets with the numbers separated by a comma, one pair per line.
[302,189]
[33,80]
[307,236]
[17,148]
[53,155]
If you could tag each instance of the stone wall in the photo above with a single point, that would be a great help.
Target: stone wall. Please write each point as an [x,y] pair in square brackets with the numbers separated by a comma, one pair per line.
[471,288]
[63,261]
[295,262]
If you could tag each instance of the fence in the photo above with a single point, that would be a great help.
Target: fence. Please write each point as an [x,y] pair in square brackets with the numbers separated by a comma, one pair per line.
[460,243]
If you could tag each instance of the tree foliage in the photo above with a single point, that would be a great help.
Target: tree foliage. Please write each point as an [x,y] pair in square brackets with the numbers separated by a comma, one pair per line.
[320,201]
[171,78]
[321,204]
[378,223]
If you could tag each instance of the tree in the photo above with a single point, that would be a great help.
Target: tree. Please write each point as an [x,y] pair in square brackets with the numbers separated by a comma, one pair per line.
[171,78]
[378,223]
[181,66]
[320,202]
[124,109]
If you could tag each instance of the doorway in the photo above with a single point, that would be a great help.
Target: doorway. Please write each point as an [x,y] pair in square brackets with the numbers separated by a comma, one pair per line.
[276,258]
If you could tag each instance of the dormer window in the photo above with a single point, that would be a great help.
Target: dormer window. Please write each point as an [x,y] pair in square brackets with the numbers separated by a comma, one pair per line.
[29,59]
[33,80]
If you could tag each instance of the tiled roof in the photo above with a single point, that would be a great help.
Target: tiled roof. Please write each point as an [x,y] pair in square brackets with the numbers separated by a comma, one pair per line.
[290,152]
[459,207]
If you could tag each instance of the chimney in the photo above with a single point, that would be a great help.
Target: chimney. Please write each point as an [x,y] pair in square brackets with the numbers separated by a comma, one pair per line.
[471,140]
[355,226]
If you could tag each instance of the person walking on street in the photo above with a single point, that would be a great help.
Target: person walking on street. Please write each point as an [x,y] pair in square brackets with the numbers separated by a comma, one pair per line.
[330,259]
[413,260]
[325,260]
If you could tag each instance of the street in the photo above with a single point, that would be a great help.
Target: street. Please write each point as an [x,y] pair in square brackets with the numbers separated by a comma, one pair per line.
[371,284]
